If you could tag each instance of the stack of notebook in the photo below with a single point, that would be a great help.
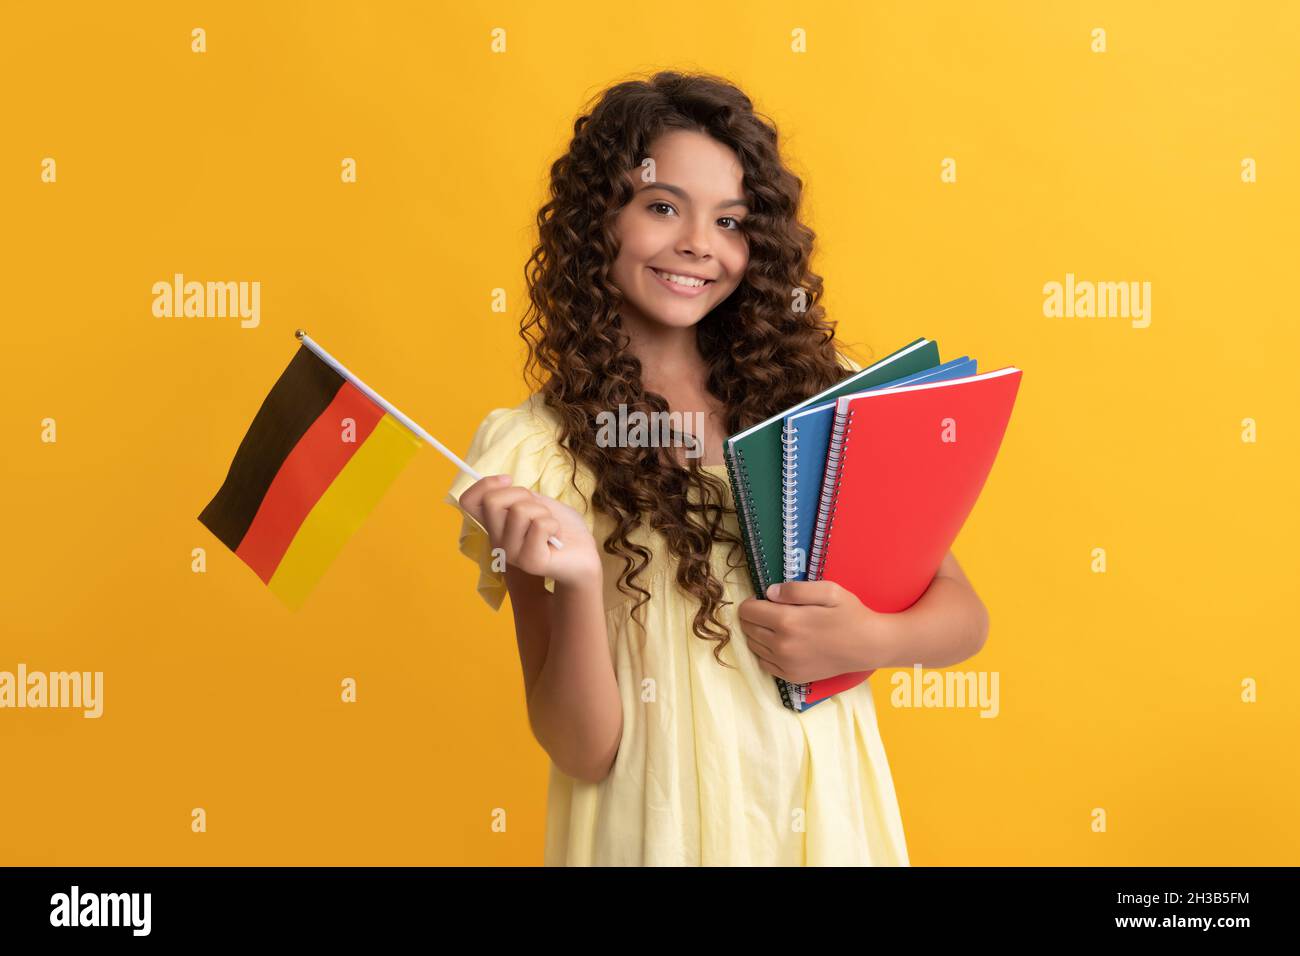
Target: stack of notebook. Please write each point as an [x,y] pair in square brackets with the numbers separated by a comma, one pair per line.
[868,483]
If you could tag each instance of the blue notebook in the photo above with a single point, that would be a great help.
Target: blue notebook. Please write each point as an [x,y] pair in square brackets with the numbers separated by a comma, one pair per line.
[806,437]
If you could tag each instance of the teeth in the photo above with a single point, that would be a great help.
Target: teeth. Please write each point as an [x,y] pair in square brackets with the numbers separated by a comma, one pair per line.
[680,280]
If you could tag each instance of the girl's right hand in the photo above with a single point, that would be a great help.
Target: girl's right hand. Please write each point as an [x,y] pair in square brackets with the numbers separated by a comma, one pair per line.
[519,521]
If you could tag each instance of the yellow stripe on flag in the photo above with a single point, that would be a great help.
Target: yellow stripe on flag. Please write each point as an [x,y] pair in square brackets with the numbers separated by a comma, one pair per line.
[341,509]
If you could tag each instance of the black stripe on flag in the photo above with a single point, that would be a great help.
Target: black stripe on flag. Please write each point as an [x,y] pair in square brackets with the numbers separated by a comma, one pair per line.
[297,399]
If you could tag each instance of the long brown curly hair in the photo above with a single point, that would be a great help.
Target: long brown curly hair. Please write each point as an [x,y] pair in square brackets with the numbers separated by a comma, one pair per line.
[763,354]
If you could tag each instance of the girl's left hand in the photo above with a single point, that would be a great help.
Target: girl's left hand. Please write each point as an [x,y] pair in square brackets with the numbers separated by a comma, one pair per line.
[810,630]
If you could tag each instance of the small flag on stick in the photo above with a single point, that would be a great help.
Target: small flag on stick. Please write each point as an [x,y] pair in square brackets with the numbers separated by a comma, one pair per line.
[321,452]
[314,463]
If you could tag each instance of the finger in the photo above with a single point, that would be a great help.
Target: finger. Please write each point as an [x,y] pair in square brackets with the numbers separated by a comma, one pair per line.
[534,549]
[755,630]
[760,649]
[548,504]
[521,516]
[496,507]
[766,614]
[824,593]
[471,499]
[759,644]
[773,668]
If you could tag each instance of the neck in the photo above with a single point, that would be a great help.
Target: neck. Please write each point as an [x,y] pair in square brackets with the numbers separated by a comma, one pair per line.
[669,356]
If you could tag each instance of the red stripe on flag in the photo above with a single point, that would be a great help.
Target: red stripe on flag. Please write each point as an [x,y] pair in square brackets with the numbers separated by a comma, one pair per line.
[309,469]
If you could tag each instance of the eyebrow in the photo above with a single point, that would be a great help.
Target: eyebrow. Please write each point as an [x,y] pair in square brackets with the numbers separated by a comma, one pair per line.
[678,191]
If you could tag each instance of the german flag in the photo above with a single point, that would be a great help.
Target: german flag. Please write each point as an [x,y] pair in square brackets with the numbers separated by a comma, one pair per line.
[316,460]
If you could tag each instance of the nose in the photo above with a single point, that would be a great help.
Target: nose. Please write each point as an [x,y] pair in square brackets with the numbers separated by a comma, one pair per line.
[694,239]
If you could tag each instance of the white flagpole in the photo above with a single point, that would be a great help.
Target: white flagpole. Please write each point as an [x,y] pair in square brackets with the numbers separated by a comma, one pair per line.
[370,393]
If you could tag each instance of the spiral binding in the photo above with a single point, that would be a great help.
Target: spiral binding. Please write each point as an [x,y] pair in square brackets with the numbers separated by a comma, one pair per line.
[753,538]
[739,476]
[792,695]
[835,459]
[789,499]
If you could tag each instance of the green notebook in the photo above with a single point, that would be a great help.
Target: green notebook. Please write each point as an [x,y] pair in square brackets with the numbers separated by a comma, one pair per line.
[754,456]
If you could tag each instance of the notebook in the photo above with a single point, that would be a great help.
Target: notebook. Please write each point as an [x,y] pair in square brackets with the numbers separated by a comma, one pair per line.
[753,459]
[904,469]
[805,439]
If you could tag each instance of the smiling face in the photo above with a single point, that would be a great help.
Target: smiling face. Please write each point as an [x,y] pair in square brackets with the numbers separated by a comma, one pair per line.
[680,229]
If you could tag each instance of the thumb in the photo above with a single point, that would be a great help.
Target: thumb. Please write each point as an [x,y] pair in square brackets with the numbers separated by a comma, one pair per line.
[803,592]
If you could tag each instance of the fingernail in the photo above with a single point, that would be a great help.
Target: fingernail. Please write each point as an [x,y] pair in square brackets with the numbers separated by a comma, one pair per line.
[500,478]
[772,591]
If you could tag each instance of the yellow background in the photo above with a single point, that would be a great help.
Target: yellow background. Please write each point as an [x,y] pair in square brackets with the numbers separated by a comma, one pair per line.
[1118,690]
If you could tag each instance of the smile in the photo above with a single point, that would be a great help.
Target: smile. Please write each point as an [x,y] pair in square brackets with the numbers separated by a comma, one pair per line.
[682,285]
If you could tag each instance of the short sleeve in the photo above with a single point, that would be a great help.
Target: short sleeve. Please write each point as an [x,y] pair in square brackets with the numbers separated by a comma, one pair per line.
[520,442]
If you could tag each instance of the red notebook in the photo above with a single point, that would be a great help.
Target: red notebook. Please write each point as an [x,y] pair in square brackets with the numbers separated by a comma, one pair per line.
[904,470]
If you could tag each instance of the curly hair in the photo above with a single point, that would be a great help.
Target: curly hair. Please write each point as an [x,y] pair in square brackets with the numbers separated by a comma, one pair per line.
[767,346]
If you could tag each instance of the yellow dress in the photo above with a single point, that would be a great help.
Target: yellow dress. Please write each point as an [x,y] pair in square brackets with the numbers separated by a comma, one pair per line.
[713,770]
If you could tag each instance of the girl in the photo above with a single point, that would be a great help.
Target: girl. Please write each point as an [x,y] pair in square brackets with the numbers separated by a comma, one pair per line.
[665,279]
